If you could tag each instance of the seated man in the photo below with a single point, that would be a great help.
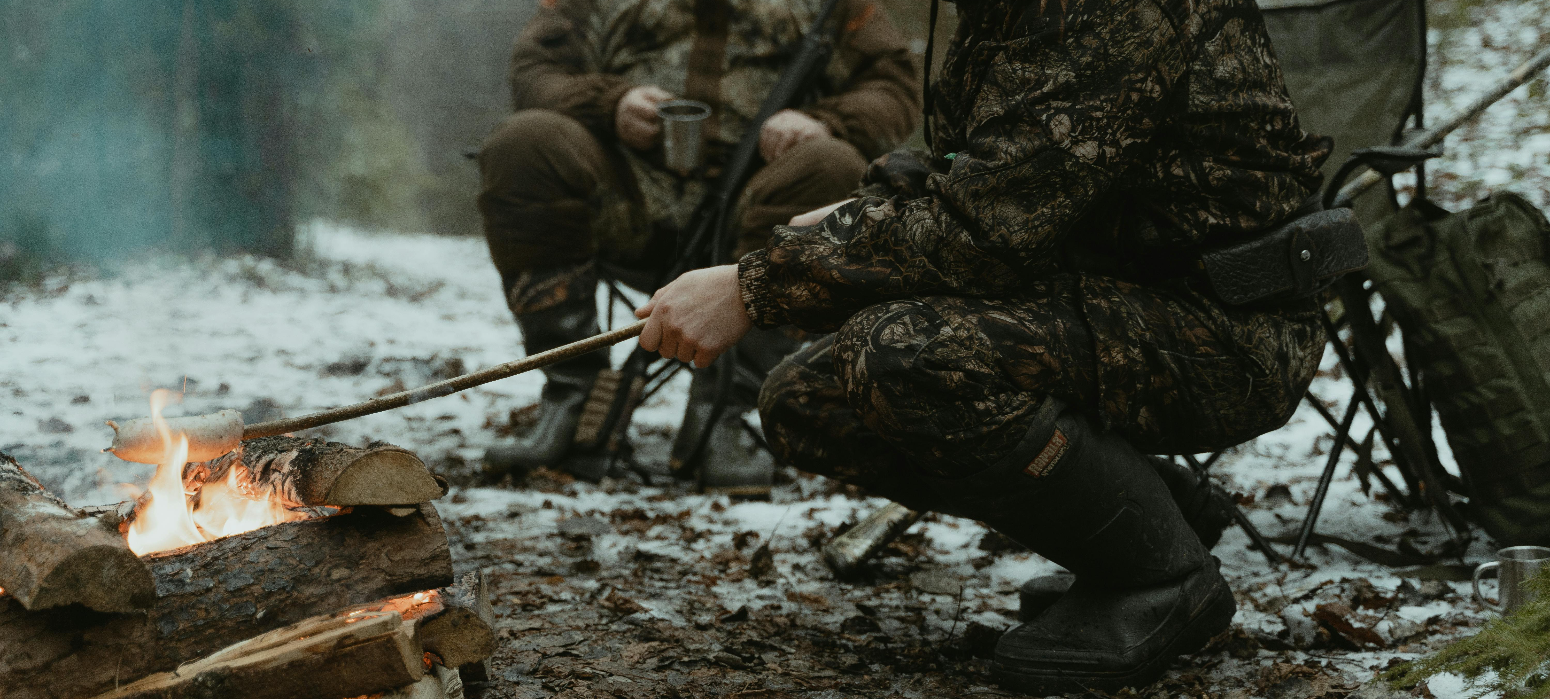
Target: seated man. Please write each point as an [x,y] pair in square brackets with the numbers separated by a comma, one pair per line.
[575,178]
[1012,335]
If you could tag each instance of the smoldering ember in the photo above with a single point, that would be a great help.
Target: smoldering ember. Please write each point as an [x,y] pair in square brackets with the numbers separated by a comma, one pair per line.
[303,389]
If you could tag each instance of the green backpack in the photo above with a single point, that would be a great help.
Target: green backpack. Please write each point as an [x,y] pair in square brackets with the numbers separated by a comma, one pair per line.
[1472,292]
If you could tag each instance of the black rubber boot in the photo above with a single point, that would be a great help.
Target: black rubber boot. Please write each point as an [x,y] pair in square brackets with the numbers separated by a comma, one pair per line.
[1206,506]
[1146,589]
[730,462]
[565,391]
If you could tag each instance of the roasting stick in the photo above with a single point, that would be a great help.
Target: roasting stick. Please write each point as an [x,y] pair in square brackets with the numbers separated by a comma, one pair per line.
[212,435]
[1435,135]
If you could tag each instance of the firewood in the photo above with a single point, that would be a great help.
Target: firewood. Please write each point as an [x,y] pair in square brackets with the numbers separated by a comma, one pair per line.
[441,682]
[52,555]
[463,630]
[212,595]
[328,656]
[319,473]
[451,681]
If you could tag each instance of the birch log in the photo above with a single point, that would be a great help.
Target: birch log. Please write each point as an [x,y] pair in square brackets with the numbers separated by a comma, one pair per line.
[321,473]
[52,555]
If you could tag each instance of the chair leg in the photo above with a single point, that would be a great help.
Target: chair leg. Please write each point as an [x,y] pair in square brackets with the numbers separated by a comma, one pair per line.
[1390,386]
[1256,536]
[1343,432]
[1393,490]
[1358,376]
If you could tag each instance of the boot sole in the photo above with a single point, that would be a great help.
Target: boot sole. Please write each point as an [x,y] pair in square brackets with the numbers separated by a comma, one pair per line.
[1216,618]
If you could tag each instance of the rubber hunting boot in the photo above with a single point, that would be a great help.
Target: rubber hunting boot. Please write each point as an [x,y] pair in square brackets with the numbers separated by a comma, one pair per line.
[731,461]
[1146,589]
[566,387]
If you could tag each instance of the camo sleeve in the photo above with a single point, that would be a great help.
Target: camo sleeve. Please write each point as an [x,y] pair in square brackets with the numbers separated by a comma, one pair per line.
[557,64]
[1058,117]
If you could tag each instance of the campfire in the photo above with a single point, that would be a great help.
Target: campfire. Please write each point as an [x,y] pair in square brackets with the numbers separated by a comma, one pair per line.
[285,568]
[179,509]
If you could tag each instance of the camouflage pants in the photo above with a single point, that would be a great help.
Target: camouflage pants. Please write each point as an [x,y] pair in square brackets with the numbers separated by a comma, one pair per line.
[555,199]
[948,385]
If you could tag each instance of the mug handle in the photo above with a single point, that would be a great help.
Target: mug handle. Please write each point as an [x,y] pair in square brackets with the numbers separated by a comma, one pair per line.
[1497,606]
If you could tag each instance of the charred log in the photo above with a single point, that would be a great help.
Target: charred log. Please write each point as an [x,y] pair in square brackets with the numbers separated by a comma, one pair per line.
[212,595]
[52,555]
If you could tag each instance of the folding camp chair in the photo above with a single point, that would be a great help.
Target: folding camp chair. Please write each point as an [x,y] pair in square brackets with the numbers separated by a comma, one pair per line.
[1354,68]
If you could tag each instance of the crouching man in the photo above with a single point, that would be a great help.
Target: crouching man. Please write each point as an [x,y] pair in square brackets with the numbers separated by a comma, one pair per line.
[1022,318]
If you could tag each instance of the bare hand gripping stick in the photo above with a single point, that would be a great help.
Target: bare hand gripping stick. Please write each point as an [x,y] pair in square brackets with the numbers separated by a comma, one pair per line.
[215,434]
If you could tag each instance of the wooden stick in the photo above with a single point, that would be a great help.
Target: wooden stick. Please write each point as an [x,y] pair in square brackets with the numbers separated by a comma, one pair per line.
[445,387]
[1435,135]
[52,555]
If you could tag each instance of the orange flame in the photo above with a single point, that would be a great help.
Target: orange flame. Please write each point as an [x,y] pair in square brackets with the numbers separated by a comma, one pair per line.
[165,519]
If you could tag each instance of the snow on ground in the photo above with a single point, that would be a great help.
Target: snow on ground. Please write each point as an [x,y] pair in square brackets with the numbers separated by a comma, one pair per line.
[1472,45]
[632,589]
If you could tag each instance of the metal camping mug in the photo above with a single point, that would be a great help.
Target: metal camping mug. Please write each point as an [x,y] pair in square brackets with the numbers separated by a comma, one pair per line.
[1515,566]
[681,122]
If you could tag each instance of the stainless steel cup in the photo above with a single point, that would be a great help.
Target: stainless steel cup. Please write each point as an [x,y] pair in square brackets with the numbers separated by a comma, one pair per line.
[1514,566]
[681,123]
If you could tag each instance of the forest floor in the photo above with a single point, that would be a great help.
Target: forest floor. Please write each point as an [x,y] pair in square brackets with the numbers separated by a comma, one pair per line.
[629,589]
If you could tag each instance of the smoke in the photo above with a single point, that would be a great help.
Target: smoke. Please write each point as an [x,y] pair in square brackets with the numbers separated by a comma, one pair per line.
[220,124]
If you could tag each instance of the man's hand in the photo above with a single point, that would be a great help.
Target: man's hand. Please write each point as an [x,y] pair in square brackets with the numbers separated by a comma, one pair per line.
[696,317]
[635,118]
[813,217]
[788,128]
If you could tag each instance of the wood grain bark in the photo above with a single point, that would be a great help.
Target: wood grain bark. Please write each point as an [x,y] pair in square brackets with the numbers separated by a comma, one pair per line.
[317,472]
[52,555]
[212,595]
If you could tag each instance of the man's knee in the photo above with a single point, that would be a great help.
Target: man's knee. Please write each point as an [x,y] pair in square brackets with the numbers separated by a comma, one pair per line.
[814,172]
[881,348]
[781,406]
[538,151]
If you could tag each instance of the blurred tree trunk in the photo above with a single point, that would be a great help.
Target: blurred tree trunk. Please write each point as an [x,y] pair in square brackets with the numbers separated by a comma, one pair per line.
[235,149]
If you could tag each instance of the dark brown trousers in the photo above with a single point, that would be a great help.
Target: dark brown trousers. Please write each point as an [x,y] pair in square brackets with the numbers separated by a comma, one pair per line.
[555,198]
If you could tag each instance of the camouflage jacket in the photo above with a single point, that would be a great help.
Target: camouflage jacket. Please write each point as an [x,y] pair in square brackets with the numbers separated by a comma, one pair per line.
[579,57]
[1094,136]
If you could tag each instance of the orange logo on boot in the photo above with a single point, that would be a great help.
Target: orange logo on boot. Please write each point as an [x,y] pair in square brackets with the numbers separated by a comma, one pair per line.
[1052,452]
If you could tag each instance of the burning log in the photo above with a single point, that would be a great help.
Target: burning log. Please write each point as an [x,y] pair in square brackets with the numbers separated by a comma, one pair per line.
[212,595]
[52,555]
[323,657]
[317,472]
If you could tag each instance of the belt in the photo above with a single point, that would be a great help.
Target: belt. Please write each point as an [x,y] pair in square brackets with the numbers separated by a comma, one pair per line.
[1294,260]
